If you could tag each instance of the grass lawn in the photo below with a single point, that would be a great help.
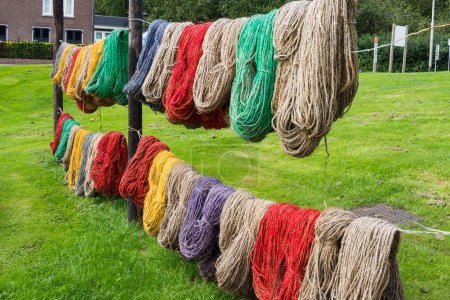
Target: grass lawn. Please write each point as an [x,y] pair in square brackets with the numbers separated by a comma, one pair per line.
[392,147]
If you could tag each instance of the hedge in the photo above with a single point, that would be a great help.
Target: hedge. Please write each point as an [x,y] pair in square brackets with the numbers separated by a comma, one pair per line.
[37,50]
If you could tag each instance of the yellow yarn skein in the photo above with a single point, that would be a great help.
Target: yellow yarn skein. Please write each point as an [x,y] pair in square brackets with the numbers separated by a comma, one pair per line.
[75,157]
[70,89]
[96,53]
[58,76]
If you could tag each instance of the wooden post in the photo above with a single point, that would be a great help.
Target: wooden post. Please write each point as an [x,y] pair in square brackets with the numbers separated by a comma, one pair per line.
[391,56]
[134,106]
[58,36]
[405,50]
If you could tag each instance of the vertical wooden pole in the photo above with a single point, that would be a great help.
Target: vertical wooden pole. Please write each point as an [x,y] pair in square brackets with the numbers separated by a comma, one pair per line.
[58,36]
[405,50]
[391,56]
[134,106]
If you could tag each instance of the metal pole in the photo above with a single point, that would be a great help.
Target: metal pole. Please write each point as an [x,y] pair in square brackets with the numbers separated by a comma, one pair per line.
[58,36]
[405,50]
[375,54]
[391,56]
[134,106]
[430,62]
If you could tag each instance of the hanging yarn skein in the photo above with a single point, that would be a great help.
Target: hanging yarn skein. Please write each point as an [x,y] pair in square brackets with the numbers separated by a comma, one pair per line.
[154,35]
[180,182]
[367,265]
[89,186]
[111,74]
[212,92]
[193,212]
[94,59]
[134,183]
[109,163]
[63,117]
[79,91]
[250,112]
[75,158]
[239,226]
[58,77]
[70,141]
[281,251]
[81,177]
[329,230]
[80,58]
[319,78]
[155,201]
[65,133]
[73,61]
[157,78]
[58,57]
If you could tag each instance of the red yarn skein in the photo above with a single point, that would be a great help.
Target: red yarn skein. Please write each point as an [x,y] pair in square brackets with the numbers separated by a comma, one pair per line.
[281,251]
[109,163]
[178,97]
[134,183]
[72,66]
[57,135]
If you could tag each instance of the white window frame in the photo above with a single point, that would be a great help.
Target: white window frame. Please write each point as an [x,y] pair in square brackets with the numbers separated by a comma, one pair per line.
[6,25]
[103,32]
[43,27]
[73,29]
[50,14]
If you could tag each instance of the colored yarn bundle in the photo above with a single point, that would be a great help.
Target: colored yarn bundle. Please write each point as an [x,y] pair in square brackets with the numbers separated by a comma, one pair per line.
[111,74]
[154,35]
[178,98]
[81,177]
[62,146]
[155,201]
[59,127]
[281,251]
[239,226]
[213,93]
[194,210]
[75,158]
[329,230]
[79,91]
[134,183]
[211,49]
[250,112]
[89,186]
[312,96]
[367,266]
[94,59]
[64,64]
[180,183]
[76,69]
[65,161]
[109,163]
[58,57]
[157,78]
[73,61]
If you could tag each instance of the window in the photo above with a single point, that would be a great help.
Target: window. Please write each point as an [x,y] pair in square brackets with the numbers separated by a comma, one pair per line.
[3,32]
[41,34]
[47,8]
[100,35]
[74,36]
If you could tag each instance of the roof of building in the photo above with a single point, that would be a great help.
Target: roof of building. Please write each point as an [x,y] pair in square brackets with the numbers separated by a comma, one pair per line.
[110,21]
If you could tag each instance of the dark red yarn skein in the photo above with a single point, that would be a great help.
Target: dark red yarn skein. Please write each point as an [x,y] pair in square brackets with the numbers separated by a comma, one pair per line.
[134,183]
[281,251]
[109,163]
[57,135]
[178,97]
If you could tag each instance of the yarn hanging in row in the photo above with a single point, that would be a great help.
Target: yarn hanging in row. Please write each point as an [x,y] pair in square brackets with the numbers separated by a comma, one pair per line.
[64,64]
[72,62]
[65,161]
[328,230]
[78,86]
[367,267]
[194,210]
[56,62]
[111,74]
[81,177]
[312,96]
[281,251]
[157,78]
[155,33]
[57,134]
[75,158]
[239,226]
[155,201]
[89,186]
[64,137]
[180,183]
[216,70]
[76,69]
[134,183]
[109,163]
[250,112]
[94,60]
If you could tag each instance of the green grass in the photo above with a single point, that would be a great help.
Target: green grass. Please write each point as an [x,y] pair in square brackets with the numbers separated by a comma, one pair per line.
[392,147]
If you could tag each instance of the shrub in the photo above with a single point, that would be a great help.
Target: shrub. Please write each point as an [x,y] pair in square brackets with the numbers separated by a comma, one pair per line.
[37,50]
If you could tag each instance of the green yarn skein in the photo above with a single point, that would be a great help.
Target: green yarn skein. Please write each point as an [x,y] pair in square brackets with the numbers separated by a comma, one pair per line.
[61,150]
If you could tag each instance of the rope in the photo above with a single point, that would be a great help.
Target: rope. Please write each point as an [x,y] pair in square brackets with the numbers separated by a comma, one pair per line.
[155,201]
[180,182]
[319,79]
[367,266]
[239,225]
[158,77]
[252,89]
[57,60]
[89,186]
[62,146]
[194,209]
[281,251]
[329,230]
[63,117]
[109,163]
[81,177]
[75,158]
[134,183]
[111,74]
[154,35]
